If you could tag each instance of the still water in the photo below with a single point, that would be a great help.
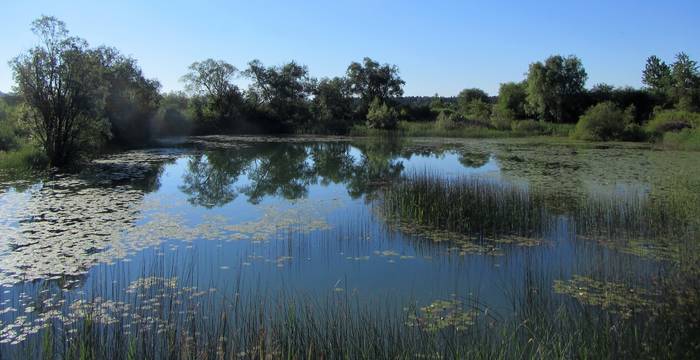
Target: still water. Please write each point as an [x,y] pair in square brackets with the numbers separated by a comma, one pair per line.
[304,216]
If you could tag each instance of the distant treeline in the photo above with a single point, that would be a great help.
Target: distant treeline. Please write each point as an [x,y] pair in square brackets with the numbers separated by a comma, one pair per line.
[73,99]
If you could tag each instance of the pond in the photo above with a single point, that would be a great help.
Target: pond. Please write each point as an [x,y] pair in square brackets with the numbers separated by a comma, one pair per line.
[305,217]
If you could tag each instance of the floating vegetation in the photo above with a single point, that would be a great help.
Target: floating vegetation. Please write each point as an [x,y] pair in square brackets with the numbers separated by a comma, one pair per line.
[462,244]
[66,226]
[443,314]
[614,297]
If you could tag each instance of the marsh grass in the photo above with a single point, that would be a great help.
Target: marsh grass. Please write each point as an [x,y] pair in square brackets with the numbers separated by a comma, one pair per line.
[25,157]
[484,208]
[165,315]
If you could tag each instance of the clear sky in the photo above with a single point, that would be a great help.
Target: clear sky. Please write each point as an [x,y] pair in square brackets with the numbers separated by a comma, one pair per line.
[439,46]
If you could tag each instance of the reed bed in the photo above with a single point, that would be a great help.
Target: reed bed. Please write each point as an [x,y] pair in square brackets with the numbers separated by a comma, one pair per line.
[484,208]
[158,317]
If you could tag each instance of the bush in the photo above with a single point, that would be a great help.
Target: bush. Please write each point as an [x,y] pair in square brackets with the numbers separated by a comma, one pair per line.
[602,122]
[686,139]
[664,121]
[8,137]
[529,126]
[24,157]
[450,121]
[9,130]
[502,119]
[381,116]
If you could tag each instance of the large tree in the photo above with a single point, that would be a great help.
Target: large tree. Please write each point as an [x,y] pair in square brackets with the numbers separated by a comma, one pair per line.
[512,100]
[555,88]
[216,100]
[132,99]
[332,105]
[679,82]
[372,80]
[281,94]
[62,82]
[474,104]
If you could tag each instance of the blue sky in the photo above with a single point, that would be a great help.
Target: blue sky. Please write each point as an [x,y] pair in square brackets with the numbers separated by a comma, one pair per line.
[439,46]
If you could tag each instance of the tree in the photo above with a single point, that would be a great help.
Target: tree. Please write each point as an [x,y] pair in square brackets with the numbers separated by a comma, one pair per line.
[372,80]
[512,101]
[63,85]
[643,100]
[132,99]
[555,88]
[216,100]
[332,105]
[281,94]
[686,82]
[679,82]
[381,116]
[657,74]
[467,96]
[173,116]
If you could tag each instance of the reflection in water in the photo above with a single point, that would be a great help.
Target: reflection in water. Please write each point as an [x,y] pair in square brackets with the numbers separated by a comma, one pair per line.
[286,170]
[302,215]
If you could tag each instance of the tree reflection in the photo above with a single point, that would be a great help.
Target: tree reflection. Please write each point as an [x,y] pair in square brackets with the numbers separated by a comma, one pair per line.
[287,170]
[209,179]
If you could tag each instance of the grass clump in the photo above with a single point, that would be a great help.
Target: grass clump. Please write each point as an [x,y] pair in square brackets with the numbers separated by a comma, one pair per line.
[27,156]
[475,207]
[686,139]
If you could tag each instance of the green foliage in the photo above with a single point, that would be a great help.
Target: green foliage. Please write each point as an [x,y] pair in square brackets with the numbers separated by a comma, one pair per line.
[332,106]
[131,101]
[371,80]
[26,156]
[678,82]
[602,122]
[62,82]
[502,118]
[555,88]
[9,131]
[467,96]
[512,101]
[665,121]
[447,121]
[216,102]
[643,100]
[280,95]
[381,116]
[686,139]
[173,117]
[529,126]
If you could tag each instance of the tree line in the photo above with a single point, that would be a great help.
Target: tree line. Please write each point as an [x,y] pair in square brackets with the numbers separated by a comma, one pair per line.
[75,99]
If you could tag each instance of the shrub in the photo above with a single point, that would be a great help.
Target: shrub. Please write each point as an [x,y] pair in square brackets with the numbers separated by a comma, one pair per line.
[381,115]
[664,121]
[24,157]
[8,137]
[602,122]
[450,121]
[502,119]
[529,126]
[686,139]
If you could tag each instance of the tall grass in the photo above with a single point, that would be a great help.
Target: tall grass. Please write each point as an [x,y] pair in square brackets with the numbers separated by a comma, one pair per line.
[156,320]
[486,208]
[25,157]
[479,208]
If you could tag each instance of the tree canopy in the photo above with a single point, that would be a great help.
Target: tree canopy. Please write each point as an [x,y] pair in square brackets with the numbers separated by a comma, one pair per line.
[555,88]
